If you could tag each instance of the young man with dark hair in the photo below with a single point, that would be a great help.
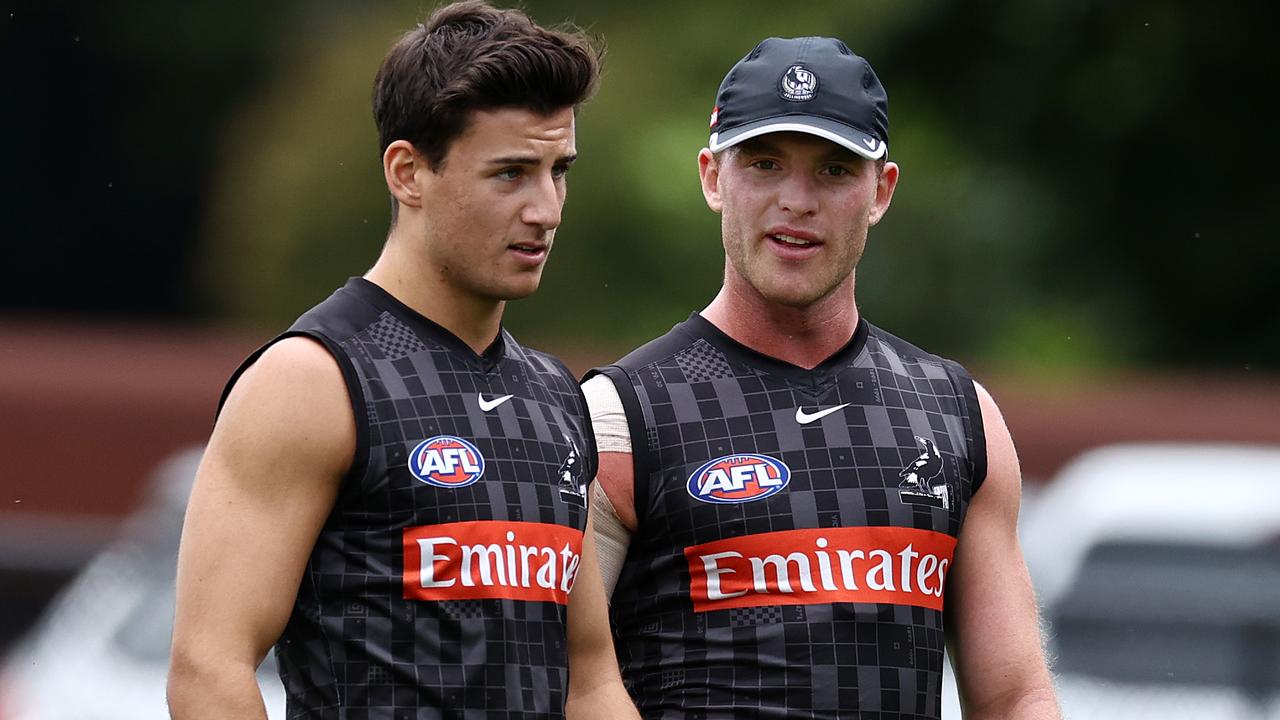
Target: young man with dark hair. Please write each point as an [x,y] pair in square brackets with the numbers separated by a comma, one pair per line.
[792,500]
[393,491]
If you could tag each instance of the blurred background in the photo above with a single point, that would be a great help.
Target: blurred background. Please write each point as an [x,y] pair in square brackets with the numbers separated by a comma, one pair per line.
[1086,218]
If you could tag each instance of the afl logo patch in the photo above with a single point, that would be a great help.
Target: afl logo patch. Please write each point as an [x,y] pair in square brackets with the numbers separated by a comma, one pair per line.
[798,84]
[739,479]
[446,461]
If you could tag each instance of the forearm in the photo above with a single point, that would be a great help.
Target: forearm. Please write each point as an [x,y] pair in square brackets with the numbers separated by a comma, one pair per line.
[595,685]
[208,691]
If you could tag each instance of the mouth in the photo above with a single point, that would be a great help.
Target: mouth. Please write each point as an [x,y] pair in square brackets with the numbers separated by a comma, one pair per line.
[791,242]
[532,251]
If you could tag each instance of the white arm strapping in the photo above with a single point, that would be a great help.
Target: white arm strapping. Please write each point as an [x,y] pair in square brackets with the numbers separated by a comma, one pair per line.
[612,539]
[609,421]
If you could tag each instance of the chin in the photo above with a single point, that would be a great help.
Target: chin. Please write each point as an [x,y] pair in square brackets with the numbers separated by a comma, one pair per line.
[794,295]
[792,300]
[518,290]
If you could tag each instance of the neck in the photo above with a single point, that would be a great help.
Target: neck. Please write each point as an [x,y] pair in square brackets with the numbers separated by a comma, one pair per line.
[802,336]
[404,271]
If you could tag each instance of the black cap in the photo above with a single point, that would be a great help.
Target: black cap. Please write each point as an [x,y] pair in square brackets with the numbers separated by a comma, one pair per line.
[812,85]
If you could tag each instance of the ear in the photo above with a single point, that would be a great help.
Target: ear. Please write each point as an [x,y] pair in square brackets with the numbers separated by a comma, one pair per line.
[709,173]
[401,164]
[884,192]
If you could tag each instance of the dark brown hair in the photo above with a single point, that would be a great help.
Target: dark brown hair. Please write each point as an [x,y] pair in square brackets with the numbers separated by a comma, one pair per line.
[472,56]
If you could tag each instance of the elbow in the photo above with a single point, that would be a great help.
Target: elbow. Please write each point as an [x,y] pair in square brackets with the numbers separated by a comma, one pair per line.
[1033,703]
[182,689]
[199,680]
[593,669]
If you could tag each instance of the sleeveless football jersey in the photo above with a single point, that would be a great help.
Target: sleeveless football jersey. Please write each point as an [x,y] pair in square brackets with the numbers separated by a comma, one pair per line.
[795,526]
[438,585]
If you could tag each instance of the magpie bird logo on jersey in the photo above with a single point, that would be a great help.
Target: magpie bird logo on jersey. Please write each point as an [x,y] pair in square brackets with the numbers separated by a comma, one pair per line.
[922,481]
[446,461]
[739,479]
[572,489]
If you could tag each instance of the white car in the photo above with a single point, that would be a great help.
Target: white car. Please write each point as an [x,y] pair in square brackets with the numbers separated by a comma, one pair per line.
[1158,567]
[101,650]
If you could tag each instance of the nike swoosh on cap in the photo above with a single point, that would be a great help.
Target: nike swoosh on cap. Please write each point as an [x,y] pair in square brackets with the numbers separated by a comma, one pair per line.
[487,405]
[805,418]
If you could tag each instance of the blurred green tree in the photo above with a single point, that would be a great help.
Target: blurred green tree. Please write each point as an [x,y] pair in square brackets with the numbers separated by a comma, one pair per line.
[1085,185]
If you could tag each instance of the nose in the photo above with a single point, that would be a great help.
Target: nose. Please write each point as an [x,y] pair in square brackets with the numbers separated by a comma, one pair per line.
[545,201]
[797,194]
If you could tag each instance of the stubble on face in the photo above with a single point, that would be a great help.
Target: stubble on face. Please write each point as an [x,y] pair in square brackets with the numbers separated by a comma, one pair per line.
[808,190]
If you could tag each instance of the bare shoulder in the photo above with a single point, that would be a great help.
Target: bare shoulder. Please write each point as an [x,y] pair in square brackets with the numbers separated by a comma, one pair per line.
[297,366]
[291,405]
[992,418]
[613,439]
[1004,475]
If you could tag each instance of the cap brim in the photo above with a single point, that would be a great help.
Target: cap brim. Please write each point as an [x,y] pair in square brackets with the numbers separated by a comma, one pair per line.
[843,135]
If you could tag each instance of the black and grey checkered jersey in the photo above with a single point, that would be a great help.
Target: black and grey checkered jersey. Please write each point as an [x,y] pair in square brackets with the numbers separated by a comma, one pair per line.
[359,644]
[891,446]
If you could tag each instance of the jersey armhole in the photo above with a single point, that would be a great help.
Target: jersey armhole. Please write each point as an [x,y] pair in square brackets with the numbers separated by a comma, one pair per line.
[973,419]
[639,435]
[360,461]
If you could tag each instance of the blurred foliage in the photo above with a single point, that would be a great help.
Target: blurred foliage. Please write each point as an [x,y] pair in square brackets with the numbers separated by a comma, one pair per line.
[1084,185]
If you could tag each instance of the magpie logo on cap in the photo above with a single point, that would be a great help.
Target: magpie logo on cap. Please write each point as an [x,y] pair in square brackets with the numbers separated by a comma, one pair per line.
[798,84]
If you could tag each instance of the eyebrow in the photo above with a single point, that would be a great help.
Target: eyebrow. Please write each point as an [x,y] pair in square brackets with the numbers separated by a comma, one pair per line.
[531,160]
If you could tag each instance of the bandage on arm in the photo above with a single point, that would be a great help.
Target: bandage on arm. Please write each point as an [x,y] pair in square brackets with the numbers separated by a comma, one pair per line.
[609,421]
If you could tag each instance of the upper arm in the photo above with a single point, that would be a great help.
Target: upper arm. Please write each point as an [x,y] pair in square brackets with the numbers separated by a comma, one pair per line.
[616,472]
[992,618]
[282,444]
[617,476]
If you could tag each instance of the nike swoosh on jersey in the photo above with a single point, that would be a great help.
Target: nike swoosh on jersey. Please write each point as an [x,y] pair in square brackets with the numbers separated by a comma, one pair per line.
[487,405]
[805,418]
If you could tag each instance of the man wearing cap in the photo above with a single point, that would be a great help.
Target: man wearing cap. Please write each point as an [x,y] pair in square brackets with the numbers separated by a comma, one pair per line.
[797,509]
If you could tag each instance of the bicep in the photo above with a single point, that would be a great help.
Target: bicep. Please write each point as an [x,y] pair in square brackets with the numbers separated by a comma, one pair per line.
[613,439]
[267,482]
[992,615]
[617,478]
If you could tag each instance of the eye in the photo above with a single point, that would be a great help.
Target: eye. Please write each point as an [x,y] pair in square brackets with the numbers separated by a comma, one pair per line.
[511,173]
[559,171]
[765,165]
[837,171]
